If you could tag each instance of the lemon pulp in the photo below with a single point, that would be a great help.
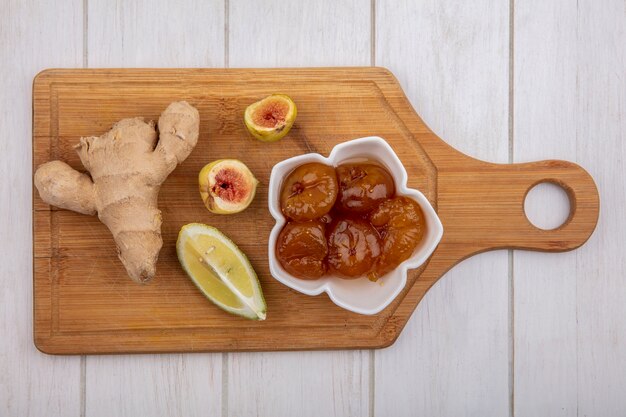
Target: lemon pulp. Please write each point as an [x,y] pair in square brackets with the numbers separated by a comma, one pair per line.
[220,270]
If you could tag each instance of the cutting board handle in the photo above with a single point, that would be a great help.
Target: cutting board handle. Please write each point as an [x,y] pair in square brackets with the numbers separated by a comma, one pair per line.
[493,212]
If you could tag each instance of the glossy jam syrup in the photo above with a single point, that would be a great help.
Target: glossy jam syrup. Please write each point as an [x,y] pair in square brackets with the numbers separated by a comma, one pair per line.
[353,247]
[346,221]
[362,187]
[400,225]
[302,249]
[308,192]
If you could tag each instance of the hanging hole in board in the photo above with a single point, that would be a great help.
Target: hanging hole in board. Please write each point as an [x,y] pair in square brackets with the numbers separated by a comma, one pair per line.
[547,205]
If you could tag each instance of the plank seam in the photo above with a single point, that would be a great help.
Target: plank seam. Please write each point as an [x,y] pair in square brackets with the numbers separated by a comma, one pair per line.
[372,383]
[226,33]
[85,33]
[83,386]
[511,335]
[225,356]
[83,358]
[373,33]
[224,384]
[511,252]
[577,93]
[372,355]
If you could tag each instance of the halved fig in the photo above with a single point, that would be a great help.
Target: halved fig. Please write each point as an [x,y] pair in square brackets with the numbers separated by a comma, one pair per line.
[271,119]
[227,186]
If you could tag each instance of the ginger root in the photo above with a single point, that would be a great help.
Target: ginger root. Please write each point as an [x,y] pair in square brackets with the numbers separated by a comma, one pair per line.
[127,166]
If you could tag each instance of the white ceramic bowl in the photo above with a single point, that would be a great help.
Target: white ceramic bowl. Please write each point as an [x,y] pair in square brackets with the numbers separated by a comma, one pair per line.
[359,295]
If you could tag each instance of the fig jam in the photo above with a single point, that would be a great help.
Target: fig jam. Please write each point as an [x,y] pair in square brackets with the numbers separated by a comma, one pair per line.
[346,221]
[362,187]
[353,247]
[302,249]
[309,192]
[400,225]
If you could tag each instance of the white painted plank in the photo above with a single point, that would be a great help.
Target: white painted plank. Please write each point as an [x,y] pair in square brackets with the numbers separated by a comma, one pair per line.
[154,385]
[545,284]
[303,33]
[601,267]
[272,33]
[570,96]
[453,356]
[159,34]
[143,33]
[285,384]
[33,35]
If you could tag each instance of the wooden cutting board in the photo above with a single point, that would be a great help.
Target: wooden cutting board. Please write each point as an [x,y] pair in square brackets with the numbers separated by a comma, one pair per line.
[85,303]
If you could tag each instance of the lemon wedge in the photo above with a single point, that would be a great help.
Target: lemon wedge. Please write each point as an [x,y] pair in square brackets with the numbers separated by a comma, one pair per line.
[271,119]
[220,270]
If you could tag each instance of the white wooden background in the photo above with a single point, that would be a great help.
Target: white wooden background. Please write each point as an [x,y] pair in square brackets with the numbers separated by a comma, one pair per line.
[503,334]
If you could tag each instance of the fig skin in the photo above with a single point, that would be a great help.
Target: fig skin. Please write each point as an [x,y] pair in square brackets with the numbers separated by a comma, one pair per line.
[301,249]
[401,226]
[309,192]
[353,248]
[227,186]
[362,187]
[271,118]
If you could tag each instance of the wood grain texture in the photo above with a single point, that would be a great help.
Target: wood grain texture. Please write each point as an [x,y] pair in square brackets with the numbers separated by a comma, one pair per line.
[452,60]
[285,384]
[147,33]
[31,384]
[85,298]
[570,95]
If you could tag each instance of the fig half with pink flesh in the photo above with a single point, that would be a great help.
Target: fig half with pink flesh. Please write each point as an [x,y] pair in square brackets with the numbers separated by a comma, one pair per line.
[271,119]
[227,186]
